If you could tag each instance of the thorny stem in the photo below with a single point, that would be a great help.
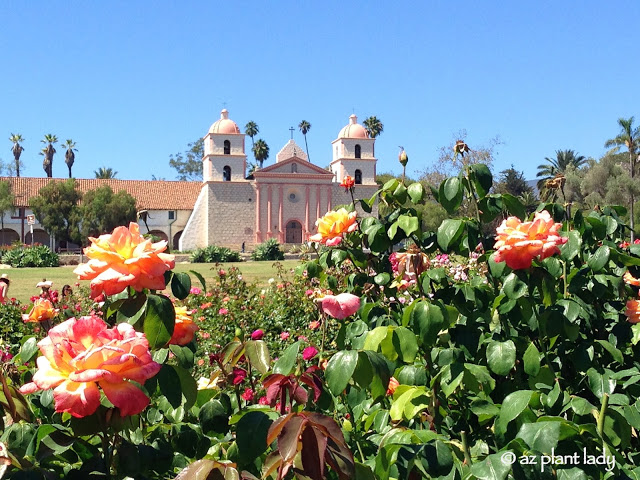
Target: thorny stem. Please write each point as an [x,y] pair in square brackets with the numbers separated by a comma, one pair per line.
[473,194]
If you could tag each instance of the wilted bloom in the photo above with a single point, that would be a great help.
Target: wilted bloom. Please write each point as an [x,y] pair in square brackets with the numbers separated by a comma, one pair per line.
[403,158]
[124,259]
[81,354]
[41,312]
[195,291]
[257,335]
[238,375]
[633,311]
[630,279]
[248,395]
[460,148]
[340,306]
[393,384]
[518,243]
[348,182]
[409,265]
[284,335]
[184,328]
[333,226]
[309,352]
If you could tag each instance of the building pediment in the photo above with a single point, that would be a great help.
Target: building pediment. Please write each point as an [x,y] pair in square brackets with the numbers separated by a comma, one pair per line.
[295,166]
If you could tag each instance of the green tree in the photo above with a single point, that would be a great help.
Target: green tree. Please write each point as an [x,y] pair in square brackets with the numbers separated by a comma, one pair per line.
[513,182]
[188,164]
[628,137]
[57,208]
[304,127]
[260,151]
[373,126]
[251,129]
[558,166]
[17,150]
[105,173]
[103,210]
[7,203]
[48,152]
[69,156]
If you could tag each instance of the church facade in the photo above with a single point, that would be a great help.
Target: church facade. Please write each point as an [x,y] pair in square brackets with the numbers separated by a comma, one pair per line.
[281,201]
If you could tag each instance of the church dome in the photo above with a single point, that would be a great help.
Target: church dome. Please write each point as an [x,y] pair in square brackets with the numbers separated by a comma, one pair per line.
[224,125]
[353,130]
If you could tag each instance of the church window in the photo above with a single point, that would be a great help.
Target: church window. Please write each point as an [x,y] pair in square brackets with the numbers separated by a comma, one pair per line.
[294,168]
[226,173]
[358,175]
[172,214]
[358,151]
[227,147]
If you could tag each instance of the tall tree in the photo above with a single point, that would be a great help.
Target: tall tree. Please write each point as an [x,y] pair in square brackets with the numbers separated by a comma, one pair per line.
[103,210]
[17,150]
[552,174]
[7,203]
[251,129]
[512,181]
[48,152]
[69,156]
[189,164]
[373,126]
[105,173]
[57,208]
[628,137]
[304,127]
[260,151]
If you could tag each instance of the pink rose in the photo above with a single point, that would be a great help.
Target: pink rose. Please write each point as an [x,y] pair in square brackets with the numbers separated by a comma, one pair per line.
[195,291]
[284,335]
[309,352]
[340,306]
[223,311]
[257,335]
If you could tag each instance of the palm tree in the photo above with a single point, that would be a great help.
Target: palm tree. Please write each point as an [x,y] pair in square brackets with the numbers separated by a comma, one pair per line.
[17,150]
[251,129]
[373,126]
[48,153]
[260,151]
[105,173]
[304,127]
[558,166]
[630,138]
[69,156]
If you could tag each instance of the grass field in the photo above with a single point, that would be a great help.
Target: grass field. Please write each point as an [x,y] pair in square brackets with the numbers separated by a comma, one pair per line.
[23,280]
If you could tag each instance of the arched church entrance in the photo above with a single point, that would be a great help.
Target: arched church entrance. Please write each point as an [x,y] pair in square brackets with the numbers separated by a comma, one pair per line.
[294,232]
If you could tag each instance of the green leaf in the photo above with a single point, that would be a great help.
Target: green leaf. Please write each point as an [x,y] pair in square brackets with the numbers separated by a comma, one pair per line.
[200,278]
[481,177]
[213,417]
[450,194]
[188,386]
[251,435]
[512,406]
[28,349]
[491,468]
[416,192]
[569,250]
[501,357]
[183,354]
[159,320]
[599,259]
[615,353]
[514,205]
[408,224]
[448,232]
[382,278]
[340,370]
[405,343]
[286,362]
[169,384]
[258,354]
[132,309]
[600,383]
[513,287]
[532,360]
[181,285]
[428,319]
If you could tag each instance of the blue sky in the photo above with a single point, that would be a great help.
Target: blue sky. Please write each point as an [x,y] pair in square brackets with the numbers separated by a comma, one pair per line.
[133,82]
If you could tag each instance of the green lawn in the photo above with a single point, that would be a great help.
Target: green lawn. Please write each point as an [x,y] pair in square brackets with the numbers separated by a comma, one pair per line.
[23,280]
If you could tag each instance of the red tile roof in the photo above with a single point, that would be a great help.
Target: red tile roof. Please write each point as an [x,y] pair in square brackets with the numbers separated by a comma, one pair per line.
[149,194]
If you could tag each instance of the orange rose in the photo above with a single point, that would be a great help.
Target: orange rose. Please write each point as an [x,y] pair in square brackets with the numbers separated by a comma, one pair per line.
[393,384]
[41,312]
[633,311]
[184,328]
[518,243]
[348,182]
[630,279]
[333,226]
[81,354]
[122,259]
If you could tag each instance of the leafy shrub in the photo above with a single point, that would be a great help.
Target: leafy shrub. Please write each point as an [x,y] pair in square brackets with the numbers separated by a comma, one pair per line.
[12,328]
[269,250]
[31,256]
[214,254]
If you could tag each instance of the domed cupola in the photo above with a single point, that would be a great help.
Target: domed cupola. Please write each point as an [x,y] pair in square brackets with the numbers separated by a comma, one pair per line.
[224,158]
[224,125]
[353,129]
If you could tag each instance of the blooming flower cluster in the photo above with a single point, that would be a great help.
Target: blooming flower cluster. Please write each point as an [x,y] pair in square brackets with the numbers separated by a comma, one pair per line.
[333,226]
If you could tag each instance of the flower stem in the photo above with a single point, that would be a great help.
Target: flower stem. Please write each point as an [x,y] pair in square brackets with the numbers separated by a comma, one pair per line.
[465,447]
[602,415]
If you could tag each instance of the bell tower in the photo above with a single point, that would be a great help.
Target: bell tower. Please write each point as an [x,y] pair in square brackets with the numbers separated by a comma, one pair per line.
[224,157]
[354,154]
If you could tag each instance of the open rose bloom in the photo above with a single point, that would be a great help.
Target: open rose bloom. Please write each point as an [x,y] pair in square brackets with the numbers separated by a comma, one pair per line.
[80,355]
[333,226]
[633,311]
[518,243]
[41,312]
[184,328]
[124,258]
[340,306]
